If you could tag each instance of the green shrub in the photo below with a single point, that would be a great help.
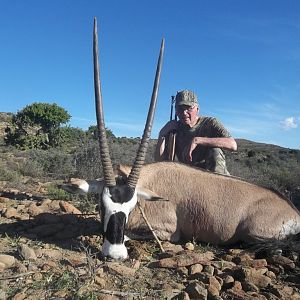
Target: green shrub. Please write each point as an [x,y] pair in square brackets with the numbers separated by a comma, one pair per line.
[7,175]
[56,193]
[53,163]
[35,126]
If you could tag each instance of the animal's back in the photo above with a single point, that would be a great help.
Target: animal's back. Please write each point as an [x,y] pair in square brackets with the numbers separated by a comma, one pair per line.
[214,208]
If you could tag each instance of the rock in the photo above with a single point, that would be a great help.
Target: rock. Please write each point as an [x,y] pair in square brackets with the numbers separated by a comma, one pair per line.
[8,261]
[196,290]
[283,261]
[213,282]
[10,213]
[184,259]
[68,208]
[182,296]
[235,252]
[222,264]
[249,286]
[241,258]
[26,252]
[4,200]
[172,248]
[19,296]
[136,264]
[237,285]
[270,274]
[209,270]
[212,291]
[100,281]
[21,207]
[227,257]
[46,202]
[189,246]
[38,276]
[21,268]
[228,282]
[53,254]
[252,275]
[22,217]
[197,268]
[55,205]
[2,267]
[254,263]
[49,265]
[34,210]
[276,269]
[119,269]
[182,271]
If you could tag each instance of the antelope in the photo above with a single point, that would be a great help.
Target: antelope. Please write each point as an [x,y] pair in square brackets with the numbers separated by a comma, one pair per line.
[202,205]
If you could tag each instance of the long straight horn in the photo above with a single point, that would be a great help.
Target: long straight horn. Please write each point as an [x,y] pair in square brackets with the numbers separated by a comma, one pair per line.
[104,151]
[141,154]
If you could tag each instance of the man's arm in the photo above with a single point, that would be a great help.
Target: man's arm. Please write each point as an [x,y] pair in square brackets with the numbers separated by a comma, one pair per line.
[160,150]
[159,154]
[227,143]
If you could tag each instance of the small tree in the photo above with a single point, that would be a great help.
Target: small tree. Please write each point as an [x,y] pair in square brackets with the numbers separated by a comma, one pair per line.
[36,126]
[93,132]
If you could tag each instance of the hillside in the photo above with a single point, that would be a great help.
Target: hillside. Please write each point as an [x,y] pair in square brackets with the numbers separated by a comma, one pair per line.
[50,241]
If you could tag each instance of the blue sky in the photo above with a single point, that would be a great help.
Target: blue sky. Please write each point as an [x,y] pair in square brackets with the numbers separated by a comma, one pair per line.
[242,59]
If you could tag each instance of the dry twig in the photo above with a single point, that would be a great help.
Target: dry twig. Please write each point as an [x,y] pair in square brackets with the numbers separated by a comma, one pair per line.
[150,227]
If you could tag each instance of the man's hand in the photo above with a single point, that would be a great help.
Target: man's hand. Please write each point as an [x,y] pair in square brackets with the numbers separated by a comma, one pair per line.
[188,151]
[170,126]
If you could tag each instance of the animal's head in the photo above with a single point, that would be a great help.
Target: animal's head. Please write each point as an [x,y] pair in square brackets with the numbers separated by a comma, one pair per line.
[119,198]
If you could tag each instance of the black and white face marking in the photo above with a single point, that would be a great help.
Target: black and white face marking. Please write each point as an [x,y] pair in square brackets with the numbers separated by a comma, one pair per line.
[117,202]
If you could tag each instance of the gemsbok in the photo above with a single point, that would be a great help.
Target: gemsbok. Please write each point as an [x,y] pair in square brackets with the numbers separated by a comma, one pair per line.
[201,205]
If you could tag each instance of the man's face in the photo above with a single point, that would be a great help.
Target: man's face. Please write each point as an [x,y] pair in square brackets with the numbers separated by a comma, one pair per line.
[187,115]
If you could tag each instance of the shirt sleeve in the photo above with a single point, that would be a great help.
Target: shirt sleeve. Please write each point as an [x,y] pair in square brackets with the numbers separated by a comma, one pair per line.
[216,129]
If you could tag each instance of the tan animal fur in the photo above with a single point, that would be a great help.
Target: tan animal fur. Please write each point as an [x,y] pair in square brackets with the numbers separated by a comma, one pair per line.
[205,206]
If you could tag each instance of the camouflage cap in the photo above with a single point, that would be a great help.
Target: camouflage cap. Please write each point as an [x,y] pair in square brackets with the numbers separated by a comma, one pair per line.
[186,97]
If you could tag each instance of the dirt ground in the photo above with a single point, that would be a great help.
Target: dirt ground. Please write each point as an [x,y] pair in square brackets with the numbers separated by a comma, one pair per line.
[50,250]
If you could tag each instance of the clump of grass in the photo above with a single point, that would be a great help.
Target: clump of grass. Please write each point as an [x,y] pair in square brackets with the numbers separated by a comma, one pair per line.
[56,193]
[65,281]
[32,168]
[14,241]
[7,175]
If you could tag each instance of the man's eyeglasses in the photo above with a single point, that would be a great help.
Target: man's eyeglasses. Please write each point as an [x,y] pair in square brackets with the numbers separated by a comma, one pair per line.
[183,108]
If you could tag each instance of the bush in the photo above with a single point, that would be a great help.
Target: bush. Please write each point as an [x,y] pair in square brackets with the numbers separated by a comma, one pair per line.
[52,163]
[7,175]
[35,126]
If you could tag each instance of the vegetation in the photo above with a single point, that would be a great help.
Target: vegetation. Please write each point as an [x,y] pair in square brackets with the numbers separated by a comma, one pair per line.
[36,126]
[37,146]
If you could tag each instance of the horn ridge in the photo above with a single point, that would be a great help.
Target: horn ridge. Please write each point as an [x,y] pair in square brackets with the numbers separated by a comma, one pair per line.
[107,168]
[141,154]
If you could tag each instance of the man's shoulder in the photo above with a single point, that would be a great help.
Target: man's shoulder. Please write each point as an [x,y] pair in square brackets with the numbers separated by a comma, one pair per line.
[205,120]
[213,126]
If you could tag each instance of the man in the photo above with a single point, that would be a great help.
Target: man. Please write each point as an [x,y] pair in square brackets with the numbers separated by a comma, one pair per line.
[199,139]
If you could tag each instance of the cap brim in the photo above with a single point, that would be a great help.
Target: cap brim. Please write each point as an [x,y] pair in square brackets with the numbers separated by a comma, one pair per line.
[183,102]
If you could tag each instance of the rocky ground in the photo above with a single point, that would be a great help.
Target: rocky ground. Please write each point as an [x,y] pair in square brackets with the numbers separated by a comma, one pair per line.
[50,250]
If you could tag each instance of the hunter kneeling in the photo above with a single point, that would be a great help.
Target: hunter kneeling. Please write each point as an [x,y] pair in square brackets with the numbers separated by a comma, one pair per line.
[199,139]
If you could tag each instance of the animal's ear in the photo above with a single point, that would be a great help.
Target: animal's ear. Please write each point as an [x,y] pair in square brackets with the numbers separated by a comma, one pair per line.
[148,194]
[75,186]
[123,171]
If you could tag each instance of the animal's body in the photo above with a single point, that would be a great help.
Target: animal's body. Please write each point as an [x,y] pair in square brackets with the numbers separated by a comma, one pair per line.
[205,206]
